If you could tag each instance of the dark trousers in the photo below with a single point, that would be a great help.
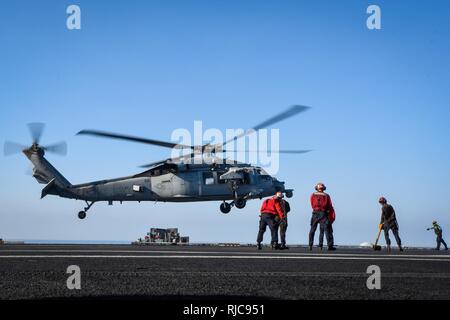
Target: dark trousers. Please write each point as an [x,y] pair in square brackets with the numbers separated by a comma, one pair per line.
[320,218]
[440,240]
[330,239]
[394,229]
[267,219]
[283,227]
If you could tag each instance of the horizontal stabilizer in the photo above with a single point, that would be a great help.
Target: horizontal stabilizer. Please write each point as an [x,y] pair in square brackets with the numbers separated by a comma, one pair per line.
[48,187]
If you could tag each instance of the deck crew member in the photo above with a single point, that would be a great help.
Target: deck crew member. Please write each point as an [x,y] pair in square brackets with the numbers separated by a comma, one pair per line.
[389,222]
[323,212]
[283,224]
[270,209]
[438,231]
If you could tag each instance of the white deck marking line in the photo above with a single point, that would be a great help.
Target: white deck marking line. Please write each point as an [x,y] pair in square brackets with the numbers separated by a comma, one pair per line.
[209,257]
[235,253]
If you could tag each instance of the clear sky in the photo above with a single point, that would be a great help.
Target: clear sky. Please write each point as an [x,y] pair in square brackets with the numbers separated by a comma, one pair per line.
[379,123]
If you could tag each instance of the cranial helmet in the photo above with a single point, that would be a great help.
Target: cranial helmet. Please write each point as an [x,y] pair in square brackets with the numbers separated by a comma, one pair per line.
[320,184]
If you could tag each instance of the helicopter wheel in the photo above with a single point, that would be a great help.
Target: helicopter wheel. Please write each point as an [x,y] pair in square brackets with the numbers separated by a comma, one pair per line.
[240,203]
[225,207]
[81,214]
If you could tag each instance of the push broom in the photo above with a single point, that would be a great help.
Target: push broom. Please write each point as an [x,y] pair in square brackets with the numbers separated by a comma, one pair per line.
[377,247]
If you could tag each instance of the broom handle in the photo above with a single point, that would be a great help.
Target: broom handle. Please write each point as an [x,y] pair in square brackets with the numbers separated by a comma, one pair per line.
[379,232]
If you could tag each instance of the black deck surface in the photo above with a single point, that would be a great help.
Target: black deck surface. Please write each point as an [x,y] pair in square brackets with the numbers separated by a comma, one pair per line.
[214,272]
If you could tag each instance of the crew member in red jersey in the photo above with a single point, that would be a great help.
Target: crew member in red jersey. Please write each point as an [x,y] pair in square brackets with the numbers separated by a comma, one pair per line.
[323,215]
[270,209]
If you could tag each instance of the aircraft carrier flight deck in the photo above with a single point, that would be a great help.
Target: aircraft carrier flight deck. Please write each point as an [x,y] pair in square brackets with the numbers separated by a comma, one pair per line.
[219,272]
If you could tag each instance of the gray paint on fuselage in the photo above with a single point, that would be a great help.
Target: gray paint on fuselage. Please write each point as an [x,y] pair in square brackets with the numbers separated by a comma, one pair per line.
[185,184]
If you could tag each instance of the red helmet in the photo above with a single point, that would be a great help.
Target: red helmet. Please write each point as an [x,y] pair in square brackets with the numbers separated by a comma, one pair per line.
[320,184]
[382,200]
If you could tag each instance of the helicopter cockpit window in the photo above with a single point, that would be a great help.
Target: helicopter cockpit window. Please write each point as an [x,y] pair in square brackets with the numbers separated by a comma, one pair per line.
[261,172]
[263,175]
[208,178]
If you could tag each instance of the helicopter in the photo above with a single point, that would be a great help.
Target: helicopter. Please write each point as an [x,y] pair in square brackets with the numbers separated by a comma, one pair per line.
[177,179]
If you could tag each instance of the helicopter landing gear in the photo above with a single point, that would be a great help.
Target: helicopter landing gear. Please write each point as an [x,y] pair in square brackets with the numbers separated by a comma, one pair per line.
[225,207]
[82,214]
[240,203]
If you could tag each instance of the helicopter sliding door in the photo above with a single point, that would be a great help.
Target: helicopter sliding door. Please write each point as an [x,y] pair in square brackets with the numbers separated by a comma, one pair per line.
[211,186]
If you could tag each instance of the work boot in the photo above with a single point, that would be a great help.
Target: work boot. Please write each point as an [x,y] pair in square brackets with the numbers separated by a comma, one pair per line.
[331,249]
[275,246]
[310,248]
[259,246]
[283,247]
[400,248]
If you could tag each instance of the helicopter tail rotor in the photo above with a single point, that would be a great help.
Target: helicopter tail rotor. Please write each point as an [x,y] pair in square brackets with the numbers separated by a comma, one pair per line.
[42,170]
[36,129]
[10,148]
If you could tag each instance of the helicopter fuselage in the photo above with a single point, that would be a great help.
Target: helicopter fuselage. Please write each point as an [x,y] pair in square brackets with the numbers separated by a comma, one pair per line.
[176,179]
[179,183]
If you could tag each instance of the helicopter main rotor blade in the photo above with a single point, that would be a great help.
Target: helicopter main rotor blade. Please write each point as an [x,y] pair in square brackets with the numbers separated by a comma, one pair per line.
[171,160]
[10,148]
[135,139]
[152,164]
[36,130]
[57,148]
[192,155]
[290,112]
[271,151]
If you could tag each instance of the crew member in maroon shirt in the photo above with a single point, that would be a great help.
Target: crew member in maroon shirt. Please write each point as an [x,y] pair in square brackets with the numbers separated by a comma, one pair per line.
[323,215]
[270,209]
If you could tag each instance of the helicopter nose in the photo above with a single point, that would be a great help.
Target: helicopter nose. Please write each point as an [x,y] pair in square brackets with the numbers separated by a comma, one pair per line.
[278,185]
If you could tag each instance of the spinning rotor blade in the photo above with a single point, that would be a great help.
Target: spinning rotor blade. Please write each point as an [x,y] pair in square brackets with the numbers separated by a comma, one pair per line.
[292,111]
[270,151]
[10,148]
[36,129]
[149,165]
[172,160]
[207,148]
[57,148]
[135,139]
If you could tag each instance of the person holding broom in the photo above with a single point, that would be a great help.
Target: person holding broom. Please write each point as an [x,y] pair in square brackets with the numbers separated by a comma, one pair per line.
[389,222]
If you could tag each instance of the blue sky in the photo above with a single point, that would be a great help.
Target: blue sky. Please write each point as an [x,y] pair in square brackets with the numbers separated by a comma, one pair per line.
[378,126]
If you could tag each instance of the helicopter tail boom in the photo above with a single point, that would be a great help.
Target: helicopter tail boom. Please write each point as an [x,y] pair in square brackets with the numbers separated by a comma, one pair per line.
[44,172]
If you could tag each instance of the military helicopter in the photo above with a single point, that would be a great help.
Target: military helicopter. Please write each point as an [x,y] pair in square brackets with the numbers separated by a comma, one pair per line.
[177,179]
